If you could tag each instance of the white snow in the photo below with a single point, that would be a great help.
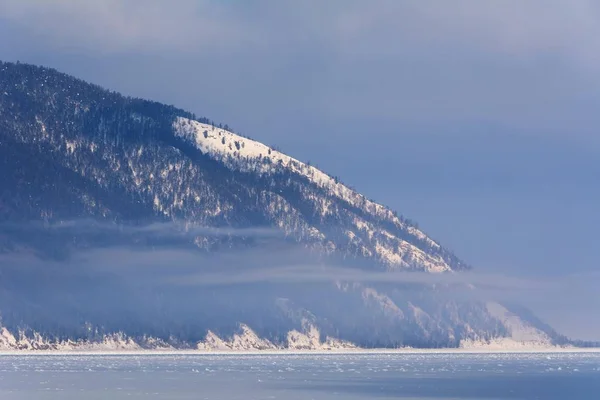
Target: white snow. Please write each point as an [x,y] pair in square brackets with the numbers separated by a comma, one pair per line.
[7,340]
[258,157]
[113,342]
[248,340]
[520,330]
[245,154]
[244,341]
[523,335]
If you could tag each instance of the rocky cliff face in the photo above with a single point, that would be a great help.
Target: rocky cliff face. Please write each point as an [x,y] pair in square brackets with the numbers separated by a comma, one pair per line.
[76,159]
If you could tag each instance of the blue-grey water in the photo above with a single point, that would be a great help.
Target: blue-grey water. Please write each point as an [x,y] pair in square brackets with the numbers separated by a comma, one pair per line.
[357,376]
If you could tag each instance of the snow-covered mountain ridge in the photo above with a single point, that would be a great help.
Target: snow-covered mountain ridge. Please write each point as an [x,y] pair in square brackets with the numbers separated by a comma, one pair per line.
[71,152]
[247,155]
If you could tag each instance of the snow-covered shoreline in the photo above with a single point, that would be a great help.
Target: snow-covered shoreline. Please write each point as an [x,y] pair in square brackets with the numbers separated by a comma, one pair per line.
[306,341]
[285,352]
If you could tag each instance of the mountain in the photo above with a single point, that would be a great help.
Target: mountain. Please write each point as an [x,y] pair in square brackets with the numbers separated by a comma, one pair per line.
[98,154]
[86,171]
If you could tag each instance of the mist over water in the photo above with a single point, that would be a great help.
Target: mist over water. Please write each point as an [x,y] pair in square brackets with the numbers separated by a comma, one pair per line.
[157,281]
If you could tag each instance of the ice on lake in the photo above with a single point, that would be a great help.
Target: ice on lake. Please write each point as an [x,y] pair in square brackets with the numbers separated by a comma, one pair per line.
[352,376]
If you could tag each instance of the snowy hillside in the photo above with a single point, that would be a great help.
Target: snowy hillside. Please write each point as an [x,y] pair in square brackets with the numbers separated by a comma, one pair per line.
[88,173]
[247,155]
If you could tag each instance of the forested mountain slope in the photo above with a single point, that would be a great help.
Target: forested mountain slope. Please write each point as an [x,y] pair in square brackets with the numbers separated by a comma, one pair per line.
[84,168]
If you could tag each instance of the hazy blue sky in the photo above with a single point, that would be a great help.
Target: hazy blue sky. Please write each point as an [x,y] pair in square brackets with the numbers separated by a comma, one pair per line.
[478,119]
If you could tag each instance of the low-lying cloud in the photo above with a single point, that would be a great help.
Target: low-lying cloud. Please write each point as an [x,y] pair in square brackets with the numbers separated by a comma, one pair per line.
[568,302]
[565,298]
[86,226]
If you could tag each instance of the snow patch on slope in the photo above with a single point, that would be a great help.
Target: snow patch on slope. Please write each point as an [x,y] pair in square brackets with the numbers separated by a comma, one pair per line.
[520,330]
[523,335]
[249,155]
[113,342]
[7,340]
[310,340]
[247,340]
[228,146]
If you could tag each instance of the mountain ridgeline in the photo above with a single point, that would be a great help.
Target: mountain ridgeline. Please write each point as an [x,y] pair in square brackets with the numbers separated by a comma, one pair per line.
[83,169]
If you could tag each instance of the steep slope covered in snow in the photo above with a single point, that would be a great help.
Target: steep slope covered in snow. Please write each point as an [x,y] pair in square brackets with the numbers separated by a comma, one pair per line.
[83,168]
[126,159]
[369,229]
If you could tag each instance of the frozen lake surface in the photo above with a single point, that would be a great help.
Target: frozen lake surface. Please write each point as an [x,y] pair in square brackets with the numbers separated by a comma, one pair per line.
[561,376]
